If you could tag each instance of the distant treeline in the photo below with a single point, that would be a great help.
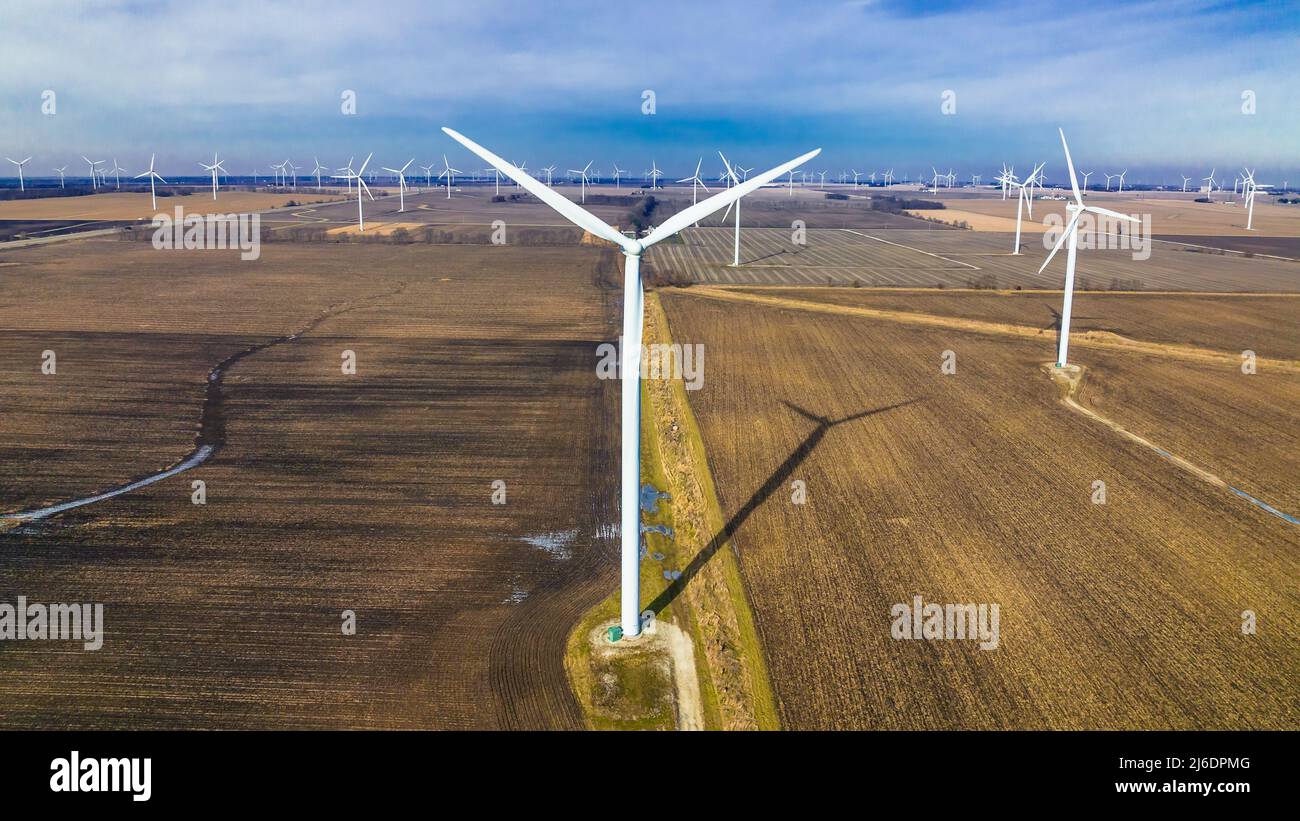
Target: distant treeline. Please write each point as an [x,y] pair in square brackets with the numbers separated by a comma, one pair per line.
[897,205]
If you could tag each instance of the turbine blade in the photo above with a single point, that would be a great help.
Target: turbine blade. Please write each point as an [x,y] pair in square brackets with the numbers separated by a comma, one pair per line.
[1074,181]
[568,209]
[1115,214]
[1064,236]
[695,213]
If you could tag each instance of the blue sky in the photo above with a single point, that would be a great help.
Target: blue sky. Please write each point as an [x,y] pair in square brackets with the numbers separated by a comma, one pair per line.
[1154,87]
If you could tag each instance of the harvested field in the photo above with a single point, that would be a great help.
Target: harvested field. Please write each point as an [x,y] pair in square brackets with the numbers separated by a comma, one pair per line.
[368,492]
[1122,615]
[939,258]
[1264,323]
[1170,214]
[120,206]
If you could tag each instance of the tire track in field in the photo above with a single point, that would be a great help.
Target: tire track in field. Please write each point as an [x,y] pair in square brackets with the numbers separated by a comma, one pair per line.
[1072,382]
[212,421]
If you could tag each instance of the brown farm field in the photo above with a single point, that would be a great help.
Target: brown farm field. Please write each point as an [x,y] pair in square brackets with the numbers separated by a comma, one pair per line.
[330,492]
[134,205]
[978,488]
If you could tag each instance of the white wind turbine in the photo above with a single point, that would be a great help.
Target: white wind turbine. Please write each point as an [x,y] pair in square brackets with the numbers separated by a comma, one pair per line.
[618,173]
[450,173]
[60,172]
[496,174]
[428,175]
[116,172]
[21,185]
[1025,196]
[1185,181]
[695,181]
[1249,189]
[633,248]
[94,178]
[319,168]
[550,169]
[889,178]
[1109,177]
[856,173]
[401,184]
[216,165]
[346,176]
[655,174]
[934,189]
[1069,238]
[789,183]
[361,186]
[1209,183]
[583,175]
[1121,180]
[1086,175]
[153,176]
[735,180]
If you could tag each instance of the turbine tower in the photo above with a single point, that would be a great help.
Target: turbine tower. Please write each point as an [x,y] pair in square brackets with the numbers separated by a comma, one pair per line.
[60,172]
[1025,197]
[1070,238]
[695,181]
[401,184]
[94,178]
[153,176]
[361,186]
[216,164]
[629,507]
[319,168]
[450,173]
[583,175]
[20,164]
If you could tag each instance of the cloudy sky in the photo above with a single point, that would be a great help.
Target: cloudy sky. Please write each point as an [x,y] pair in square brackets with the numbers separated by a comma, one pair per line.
[1155,87]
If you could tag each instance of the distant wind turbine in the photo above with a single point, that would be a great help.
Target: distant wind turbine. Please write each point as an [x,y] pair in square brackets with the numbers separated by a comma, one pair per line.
[216,166]
[449,173]
[361,186]
[153,176]
[583,174]
[401,183]
[20,164]
[60,171]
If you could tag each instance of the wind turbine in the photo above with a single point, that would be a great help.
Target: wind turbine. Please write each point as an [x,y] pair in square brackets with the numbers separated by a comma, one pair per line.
[21,186]
[60,171]
[583,174]
[790,182]
[1209,183]
[1249,188]
[216,164]
[152,175]
[1023,198]
[1109,177]
[1121,180]
[821,173]
[731,173]
[94,178]
[1086,175]
[401,184]
[550,169]
[361,186]
[617,174]
[856,174]
[319,168]
[935,187]
[116,172]
[1185,181]
[1070,239]
[428,175]
[629,507]
[450,173]
[347,168]
[889,178]
[655,174]
[695,181]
